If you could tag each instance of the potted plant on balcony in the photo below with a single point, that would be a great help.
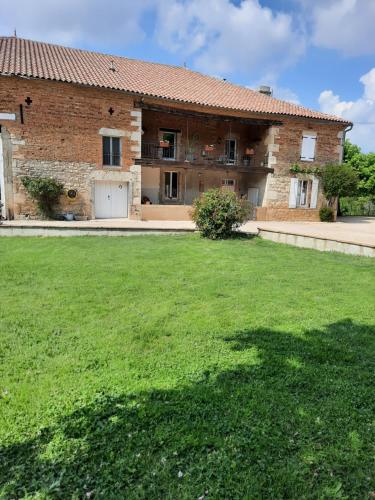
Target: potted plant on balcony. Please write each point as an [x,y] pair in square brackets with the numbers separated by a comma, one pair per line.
[163,143]
[249,151]
[209,148]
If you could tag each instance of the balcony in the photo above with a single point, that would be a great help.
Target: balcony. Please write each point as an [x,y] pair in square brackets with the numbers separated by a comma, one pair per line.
[154,153]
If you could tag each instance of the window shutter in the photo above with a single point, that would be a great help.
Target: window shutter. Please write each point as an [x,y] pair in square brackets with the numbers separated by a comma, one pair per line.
[293,192]
[314,193]
[308,147]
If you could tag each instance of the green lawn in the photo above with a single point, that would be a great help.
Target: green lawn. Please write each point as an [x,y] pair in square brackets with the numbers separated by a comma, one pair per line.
[172,367]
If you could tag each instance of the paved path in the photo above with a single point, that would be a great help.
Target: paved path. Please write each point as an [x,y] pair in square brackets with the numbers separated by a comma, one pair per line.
[357,230]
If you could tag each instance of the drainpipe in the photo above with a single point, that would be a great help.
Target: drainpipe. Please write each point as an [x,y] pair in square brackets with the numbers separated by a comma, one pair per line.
[348,129]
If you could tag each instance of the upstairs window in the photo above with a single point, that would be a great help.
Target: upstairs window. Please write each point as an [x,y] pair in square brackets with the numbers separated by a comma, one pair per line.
[230,150]
[308,147]
[111,151]
[169,153]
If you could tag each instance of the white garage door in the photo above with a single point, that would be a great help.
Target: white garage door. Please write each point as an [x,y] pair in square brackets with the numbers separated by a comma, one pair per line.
[111,200]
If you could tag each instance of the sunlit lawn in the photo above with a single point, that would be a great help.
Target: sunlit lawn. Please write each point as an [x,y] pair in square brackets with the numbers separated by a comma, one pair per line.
[173,367]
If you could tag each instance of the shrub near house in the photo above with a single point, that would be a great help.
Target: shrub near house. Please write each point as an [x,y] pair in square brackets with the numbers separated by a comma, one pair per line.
[45,191]
[217,213]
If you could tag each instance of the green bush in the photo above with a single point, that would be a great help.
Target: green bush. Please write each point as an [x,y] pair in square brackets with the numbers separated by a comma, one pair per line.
[361,205]
[218,212]
[45,191]
[326,214]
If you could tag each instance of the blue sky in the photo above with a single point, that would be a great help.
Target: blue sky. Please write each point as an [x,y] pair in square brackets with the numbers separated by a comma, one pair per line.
[319,53]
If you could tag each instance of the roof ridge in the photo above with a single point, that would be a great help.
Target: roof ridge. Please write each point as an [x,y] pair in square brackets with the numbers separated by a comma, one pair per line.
[87,51]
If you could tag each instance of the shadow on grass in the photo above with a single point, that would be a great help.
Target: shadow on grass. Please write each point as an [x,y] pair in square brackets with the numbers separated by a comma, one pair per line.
[235,235]
[297,421]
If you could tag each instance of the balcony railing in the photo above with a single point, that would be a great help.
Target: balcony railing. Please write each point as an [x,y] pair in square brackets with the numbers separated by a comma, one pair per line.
[155,152]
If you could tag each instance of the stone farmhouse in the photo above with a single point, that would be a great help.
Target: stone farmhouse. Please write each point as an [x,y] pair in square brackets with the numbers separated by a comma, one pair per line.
[142,140]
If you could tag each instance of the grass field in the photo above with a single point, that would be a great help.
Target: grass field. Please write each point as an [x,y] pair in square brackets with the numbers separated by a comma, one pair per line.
[172,367]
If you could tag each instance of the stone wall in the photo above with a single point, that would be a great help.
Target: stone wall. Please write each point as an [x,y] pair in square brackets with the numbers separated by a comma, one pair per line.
[72,175]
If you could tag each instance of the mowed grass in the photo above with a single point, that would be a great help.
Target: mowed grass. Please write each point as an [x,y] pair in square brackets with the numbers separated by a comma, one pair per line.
[172,367]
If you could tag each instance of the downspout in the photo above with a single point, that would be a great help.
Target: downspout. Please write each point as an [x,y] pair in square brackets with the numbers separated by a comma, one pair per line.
[348,129]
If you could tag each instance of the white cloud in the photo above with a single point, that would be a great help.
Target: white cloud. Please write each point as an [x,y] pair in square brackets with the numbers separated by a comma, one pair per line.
[344,25]
[285,94]
[89,22]
[223,38]
[361,111]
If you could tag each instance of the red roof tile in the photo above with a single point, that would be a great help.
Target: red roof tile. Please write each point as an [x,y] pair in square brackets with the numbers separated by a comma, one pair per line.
[21,57]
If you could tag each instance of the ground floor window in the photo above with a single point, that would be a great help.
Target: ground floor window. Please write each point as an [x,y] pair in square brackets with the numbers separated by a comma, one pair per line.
[171,185]
[304,187]
[303,193]
[228,184]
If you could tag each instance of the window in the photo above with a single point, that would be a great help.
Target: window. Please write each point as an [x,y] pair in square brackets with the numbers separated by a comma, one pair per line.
[303,193]
[111,151]
[230,150]
[171,185]
[169,153]
[228,184]
[308,147]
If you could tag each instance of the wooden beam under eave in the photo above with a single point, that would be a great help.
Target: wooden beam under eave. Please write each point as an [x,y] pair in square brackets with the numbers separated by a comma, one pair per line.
[207,116]
[202,166]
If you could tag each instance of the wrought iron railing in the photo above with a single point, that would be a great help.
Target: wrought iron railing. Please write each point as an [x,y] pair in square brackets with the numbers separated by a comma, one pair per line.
[154,151]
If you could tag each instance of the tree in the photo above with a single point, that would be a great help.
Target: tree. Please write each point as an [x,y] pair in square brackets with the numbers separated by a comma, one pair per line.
[350,150]
[364,165]
[338,180]
[218,212]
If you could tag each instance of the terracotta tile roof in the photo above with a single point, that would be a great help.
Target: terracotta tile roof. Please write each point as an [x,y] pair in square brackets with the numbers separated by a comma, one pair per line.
[53,62]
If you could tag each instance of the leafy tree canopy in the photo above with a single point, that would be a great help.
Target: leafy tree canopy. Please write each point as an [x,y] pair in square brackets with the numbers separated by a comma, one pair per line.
[364,165]
[338,180]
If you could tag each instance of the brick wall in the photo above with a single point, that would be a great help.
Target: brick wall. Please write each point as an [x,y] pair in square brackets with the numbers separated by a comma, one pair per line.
[60,138]
[287,214]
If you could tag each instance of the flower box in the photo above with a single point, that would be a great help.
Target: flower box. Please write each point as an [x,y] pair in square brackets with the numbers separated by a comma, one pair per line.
[209,148]
[164,144]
